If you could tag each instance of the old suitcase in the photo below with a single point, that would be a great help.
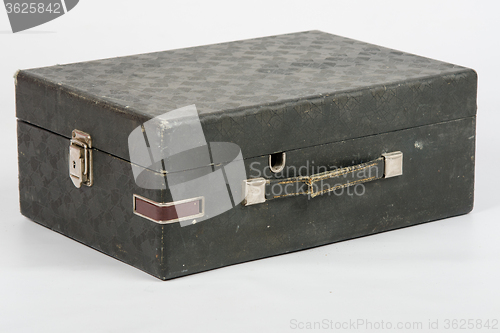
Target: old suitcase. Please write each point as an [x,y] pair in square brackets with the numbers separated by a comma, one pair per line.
[183,161]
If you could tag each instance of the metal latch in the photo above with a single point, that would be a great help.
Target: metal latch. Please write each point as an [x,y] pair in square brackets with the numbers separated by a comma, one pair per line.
[80,159]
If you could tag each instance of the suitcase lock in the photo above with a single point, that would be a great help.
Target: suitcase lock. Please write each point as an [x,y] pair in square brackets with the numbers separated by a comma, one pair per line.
[80,159]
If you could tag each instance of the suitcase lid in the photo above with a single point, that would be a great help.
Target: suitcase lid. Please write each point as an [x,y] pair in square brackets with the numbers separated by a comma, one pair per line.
[265,95]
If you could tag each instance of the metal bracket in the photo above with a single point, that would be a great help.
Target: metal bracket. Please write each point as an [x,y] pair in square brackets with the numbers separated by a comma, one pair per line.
[80,159]
[393,164]
[254,191]
[169,212]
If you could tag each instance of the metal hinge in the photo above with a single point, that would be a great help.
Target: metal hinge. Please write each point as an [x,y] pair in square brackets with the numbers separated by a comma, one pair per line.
[80,159]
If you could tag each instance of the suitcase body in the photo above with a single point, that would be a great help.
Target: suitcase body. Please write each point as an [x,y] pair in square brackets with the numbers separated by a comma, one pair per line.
[317,106]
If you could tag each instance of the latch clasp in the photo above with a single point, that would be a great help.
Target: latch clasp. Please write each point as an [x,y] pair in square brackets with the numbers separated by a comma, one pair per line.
[80,159]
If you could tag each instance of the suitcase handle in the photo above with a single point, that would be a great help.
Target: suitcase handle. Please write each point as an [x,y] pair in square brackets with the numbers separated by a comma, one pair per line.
[259,190]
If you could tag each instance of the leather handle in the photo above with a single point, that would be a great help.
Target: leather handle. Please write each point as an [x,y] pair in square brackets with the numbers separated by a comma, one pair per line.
[259,190]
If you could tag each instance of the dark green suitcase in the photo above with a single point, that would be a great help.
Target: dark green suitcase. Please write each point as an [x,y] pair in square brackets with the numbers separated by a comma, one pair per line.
[295,141]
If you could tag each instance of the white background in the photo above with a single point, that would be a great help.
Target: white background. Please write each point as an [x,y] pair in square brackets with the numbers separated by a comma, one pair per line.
[447,269]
